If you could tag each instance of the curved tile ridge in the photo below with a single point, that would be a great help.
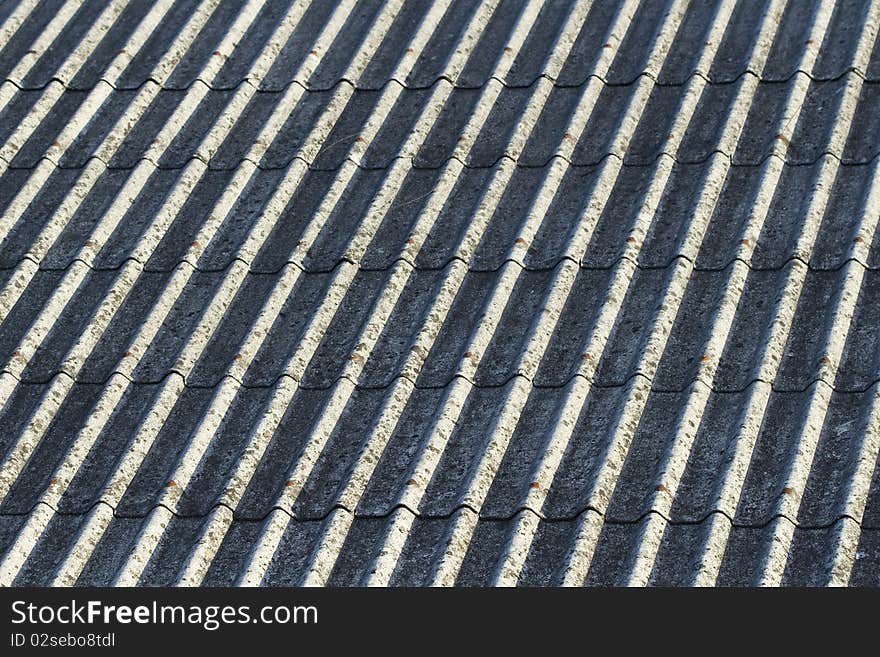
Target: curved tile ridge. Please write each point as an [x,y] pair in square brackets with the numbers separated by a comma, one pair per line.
[41,44]
[861,259]
[573,516]
[682,70]
[827,368]
[357,86]
[245,161]
[601,568]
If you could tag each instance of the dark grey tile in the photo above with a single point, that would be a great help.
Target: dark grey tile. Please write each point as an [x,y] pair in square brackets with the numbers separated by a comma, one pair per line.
[484,552]
[689,43]
[361,545]
[711,454]
[811,556]
[123,327]
[25,311]
[860,362]
[173,551]
[381,67]
[866,569]
[387,483]
[281,343]
[333,469]
[772,458]
[735,50]
[416,564]
[203,47]
[836,459]
[47,66]
[111,43]
[790,40]
[282,452]
[646,458]
[566,349]
[50,551]
[295,52]
[288,566]
[431,63]
[109,447]
[861,144]
[513,480]
[462,452]
[144,62]
[589,444]
[20,239]
[549,553]
[838,48]
[163,453]
[840,222]
[10,526]
[530,62]
[334,63]
[614,554]
[633,52]
[31,28]
[111,552]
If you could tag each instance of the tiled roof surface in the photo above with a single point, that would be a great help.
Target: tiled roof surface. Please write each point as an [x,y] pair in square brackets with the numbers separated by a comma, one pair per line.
[403,292]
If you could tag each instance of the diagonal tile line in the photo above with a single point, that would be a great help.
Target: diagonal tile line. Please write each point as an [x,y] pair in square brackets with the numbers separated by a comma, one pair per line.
[104,151]
[511,564]
[672,298]
[513,377]
[204,435]
[846,542]
[862,259]
[126,278]
[431,450]
[385,558]
[245,468]
[581,552]
[372,328]
[512,517]
[145,435]
[19,454]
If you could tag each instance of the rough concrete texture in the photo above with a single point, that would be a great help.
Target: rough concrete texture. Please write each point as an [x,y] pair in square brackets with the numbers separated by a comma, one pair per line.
[474,292]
